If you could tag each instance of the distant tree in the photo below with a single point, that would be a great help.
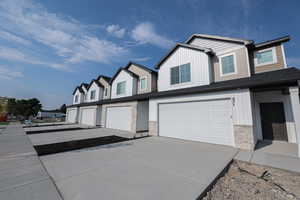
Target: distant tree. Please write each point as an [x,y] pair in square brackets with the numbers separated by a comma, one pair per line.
[1,108]
[24,107]
[63,108]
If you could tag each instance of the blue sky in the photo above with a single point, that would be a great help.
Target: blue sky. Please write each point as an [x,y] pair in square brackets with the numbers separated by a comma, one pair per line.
[48,47]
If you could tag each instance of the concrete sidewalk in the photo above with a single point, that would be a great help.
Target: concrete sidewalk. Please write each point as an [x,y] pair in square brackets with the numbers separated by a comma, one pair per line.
[265,158]
[22,175]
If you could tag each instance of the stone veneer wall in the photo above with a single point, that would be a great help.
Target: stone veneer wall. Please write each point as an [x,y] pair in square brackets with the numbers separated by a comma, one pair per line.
[153,128]
[243,136]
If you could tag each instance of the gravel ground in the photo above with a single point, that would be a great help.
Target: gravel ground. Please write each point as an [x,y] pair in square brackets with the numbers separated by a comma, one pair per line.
[248,181]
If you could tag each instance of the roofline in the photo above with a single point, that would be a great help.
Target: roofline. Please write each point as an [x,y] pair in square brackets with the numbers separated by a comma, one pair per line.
[219,38]
[117,73]
[272,42]
[97,82]
[79,88]
[197,48]
[141,66]
[106,78]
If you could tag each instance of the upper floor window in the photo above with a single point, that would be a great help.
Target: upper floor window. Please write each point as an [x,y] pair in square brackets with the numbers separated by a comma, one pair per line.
[105,92]
[228,64]
[265,57]
[85,97]
[93,94]
[121,88]
[143,83]
[181,74]
[76,98]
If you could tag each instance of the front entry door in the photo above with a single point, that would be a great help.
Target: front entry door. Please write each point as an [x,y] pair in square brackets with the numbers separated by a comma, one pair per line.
[273,121]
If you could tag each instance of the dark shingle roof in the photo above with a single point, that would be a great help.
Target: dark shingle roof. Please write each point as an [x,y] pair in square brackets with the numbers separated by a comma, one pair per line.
[220,38]
[95,81]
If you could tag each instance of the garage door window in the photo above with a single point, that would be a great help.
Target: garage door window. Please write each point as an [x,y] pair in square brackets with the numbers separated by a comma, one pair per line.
[181,74]
[121,88]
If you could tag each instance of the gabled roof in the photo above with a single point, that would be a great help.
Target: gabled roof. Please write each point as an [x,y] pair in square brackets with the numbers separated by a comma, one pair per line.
[272,42]
[95,81]
[78,88]
[122,69]
[188,46]
[106,78]
[140,66]
[219,38]
[85,85]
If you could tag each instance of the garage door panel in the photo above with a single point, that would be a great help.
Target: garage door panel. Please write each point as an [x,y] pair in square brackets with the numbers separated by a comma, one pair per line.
[205,121]
[72,115]
[119,118]
[88,116]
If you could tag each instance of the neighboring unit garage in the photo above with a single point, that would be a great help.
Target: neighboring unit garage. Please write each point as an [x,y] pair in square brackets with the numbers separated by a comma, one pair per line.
[119,117]
[90,115]
[217,117]
[205,121]
[72,115]
[128,116]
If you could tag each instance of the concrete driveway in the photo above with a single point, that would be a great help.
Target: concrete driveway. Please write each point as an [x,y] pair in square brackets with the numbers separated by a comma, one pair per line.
[148,168]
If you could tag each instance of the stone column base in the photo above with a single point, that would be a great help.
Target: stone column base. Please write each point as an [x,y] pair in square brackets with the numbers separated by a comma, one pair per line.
[243,137]
[153,129]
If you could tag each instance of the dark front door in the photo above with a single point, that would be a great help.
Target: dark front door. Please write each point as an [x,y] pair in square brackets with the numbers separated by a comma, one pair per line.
[273,121]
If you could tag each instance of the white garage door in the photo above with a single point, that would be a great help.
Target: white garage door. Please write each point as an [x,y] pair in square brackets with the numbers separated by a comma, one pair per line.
[72,116]
[205,121]
[88,116]
[119,118]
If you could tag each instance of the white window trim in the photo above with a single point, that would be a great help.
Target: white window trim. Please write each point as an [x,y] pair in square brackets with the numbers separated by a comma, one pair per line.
[283,55]
[140,83]
[234,62]
[117,89]
[184,83]
[266,63]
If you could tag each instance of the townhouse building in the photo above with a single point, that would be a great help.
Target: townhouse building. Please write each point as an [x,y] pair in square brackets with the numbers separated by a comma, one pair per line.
[212,89]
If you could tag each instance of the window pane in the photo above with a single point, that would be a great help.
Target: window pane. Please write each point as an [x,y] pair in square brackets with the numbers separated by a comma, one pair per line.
[185,73]
[227,64]
[105,91]
[143,83]
[121,87]
[263,57]
[174,75]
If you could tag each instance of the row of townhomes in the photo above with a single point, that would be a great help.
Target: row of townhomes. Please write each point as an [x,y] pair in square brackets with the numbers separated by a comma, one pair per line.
[209,88]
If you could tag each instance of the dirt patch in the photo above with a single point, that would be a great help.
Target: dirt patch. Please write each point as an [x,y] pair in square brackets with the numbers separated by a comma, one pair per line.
[249,181]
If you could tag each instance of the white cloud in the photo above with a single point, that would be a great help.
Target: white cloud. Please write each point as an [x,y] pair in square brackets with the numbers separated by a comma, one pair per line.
[145,33]
[18,56]
[9,73]
[293,61]
[14,38]
[116,30]
[70,40]
[141,59]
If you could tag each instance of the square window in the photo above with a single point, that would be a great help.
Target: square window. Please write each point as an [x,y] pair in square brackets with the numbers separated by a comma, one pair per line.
[264,56]
[121,88]
[143,83]
[181,74]
[227,63]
